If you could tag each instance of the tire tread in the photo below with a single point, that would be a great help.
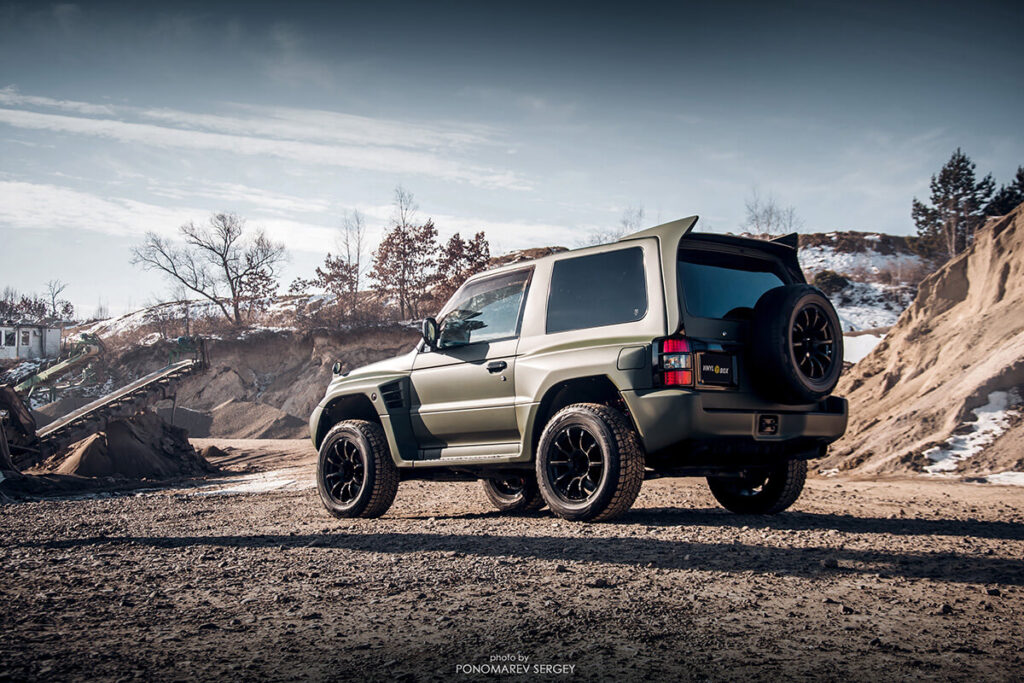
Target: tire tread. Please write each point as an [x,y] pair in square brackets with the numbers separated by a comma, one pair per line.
[630,456]
[385,481]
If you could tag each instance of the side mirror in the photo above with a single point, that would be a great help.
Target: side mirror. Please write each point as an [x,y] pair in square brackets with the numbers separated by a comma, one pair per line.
[429,332]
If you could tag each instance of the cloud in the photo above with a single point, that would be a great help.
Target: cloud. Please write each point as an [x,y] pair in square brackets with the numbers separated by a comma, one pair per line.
[384,159]
[309,136]
[10,97]
[324,126]
[44,207]
[47,207]
[234,194]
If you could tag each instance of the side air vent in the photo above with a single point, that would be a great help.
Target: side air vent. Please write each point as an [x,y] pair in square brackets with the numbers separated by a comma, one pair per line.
[392,395]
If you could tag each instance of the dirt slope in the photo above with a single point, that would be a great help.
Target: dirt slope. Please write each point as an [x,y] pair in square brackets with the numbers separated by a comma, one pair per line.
[283,371]
[961,339]
[139,447]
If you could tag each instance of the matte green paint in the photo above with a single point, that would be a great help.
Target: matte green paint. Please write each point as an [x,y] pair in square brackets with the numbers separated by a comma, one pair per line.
[457,412]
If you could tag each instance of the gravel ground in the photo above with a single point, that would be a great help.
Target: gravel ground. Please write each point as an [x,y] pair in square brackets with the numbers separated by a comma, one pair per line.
[861,579]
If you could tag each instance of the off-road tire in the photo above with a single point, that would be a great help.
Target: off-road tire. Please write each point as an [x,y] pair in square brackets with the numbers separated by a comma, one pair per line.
[527,499]
[622,459]
[774,360]
[380,476]
[784,483]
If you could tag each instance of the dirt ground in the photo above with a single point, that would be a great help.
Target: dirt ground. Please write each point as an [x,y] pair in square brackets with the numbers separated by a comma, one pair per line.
[246,577]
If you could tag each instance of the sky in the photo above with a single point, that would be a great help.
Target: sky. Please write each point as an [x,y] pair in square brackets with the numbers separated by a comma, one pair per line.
[539,123]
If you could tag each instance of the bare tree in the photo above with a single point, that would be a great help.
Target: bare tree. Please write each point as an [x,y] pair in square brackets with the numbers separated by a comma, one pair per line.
[353,245]
[218,261]
[54,288]
[102,311]
[632,219]
[403,264]
[765,217]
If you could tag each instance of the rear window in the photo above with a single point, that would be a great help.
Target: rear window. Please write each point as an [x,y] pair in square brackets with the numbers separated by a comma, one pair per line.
[596,290]
[719,285]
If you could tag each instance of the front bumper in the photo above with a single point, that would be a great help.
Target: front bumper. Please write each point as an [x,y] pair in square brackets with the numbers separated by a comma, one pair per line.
[665,417]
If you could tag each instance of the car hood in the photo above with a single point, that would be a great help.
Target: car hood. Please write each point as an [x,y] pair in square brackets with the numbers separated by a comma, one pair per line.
[397,365]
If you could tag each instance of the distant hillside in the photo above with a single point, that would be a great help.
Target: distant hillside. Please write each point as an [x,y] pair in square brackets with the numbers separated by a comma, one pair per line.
[862,256]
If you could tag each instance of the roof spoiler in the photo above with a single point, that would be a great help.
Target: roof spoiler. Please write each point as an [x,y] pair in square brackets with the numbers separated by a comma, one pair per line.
[791,240]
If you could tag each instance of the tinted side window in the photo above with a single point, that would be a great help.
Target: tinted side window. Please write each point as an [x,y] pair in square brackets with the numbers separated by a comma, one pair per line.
[596,290]
[485,310]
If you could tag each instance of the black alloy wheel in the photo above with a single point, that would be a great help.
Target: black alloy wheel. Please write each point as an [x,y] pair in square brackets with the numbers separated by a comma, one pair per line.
[814,342]
[761,492]
[355,474]
[344,471]
[576,466]
[512,492]
[590,463]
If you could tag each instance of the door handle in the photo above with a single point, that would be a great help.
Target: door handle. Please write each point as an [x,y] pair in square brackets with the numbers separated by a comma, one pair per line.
[496,366]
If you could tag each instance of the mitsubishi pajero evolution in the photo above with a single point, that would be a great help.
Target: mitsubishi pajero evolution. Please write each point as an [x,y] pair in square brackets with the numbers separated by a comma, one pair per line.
[567,380]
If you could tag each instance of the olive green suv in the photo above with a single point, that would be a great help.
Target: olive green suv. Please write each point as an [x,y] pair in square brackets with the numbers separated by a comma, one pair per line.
[568,380]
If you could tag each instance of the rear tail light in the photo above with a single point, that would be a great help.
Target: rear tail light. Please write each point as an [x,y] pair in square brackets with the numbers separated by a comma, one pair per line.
[673,365]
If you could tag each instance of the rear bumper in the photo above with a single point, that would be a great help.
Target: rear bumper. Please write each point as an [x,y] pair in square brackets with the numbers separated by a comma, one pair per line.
[665,417]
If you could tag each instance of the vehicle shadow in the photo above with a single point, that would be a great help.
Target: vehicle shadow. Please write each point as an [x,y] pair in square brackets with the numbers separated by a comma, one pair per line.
[789,521]
[807,521]
[641,552]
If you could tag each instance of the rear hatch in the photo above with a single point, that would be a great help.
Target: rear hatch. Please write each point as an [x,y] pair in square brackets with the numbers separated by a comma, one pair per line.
[720,280]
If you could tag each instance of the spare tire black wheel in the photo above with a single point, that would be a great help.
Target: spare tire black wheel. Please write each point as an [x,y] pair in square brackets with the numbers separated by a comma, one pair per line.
[796,345]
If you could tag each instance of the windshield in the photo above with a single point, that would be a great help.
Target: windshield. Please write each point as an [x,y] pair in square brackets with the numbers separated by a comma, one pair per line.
[720,285]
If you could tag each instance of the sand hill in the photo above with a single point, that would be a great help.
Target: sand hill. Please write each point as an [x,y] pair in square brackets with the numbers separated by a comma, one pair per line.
[946,381]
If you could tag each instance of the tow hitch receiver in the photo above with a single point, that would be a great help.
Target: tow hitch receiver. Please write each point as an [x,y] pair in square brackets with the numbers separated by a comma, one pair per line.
[767,425]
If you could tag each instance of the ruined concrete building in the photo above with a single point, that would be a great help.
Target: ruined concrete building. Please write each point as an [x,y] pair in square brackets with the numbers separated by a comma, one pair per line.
[29,341]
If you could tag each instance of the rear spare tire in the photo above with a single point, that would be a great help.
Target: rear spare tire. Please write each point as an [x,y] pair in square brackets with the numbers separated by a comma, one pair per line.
[796,345]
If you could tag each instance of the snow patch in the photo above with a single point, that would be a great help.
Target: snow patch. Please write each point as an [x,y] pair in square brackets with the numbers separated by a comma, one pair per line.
[819,258]
[867,305]
[857,347]
[1006,478]
[150,339]
[992,420]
